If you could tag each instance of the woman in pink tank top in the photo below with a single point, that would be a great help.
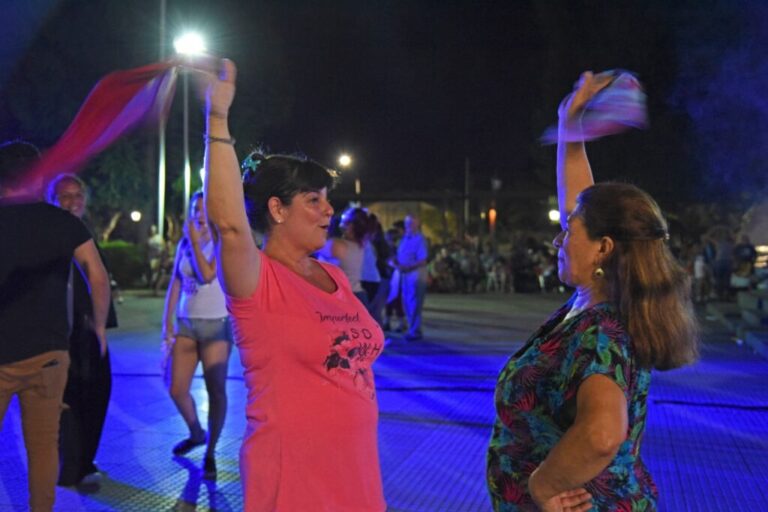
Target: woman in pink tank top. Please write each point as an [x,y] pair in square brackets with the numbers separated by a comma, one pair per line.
[306,343]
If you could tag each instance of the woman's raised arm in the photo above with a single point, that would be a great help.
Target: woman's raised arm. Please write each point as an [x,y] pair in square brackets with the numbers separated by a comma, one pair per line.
[573,171]
[238,256]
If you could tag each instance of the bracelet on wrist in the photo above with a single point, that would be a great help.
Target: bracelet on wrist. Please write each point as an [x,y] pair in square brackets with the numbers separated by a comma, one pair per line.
[209,139]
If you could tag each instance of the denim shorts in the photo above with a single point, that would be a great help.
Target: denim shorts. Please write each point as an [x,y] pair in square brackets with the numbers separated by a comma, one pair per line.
[205,329]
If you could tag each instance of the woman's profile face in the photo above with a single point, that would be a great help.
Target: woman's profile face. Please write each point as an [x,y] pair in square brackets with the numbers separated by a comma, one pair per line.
[577,255]
[306,219]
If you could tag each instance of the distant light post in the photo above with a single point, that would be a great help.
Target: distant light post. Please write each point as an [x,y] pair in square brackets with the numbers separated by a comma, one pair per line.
[345,161]
[188,44]
[136,216]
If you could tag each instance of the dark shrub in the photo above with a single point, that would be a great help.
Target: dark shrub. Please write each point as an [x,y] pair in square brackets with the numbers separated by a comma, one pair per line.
[125,261]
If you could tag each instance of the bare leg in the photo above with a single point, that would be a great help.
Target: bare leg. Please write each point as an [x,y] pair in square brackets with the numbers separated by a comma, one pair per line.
[215,358]
[184,361]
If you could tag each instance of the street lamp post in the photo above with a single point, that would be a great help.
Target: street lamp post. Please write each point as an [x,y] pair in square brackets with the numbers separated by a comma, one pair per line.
[345,161]
[161,141]
[188,44]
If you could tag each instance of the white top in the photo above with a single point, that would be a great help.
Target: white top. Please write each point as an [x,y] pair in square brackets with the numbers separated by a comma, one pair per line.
[352,265]
[369,271]
[198,300]
[699,267]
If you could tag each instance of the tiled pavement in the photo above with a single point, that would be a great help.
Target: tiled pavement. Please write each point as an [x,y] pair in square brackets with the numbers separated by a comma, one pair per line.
[706,442]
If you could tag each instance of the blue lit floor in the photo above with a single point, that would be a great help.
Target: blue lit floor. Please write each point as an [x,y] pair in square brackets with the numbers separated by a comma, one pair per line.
[706,442]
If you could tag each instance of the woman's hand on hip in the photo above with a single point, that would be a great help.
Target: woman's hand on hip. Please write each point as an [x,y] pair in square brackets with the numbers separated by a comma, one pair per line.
[577,500]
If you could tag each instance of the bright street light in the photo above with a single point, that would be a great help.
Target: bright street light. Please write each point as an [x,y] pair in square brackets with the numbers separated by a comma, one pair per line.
[188,44]
[135,216]
[554,216]
[345,161]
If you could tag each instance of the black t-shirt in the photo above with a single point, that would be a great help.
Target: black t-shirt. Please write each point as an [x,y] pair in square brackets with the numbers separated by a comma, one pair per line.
[34,269]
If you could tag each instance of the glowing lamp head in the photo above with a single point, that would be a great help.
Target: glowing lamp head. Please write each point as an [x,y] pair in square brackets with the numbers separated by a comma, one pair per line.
[190,43]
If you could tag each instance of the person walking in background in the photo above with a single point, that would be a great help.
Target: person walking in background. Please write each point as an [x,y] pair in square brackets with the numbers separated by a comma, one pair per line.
[306,342]
[35,265]
[393,308]
[348,250]
[722,268]
[202,334]
[383,254]
[155,247]
[412,254]
[571,403]
[700,277]
[370,278]
[89,383]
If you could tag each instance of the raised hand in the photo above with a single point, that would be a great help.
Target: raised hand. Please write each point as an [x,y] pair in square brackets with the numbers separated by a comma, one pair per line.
[587,87]
[192,232]
[219,87]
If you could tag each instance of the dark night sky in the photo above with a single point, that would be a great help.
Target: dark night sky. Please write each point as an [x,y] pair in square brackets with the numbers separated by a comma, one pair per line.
[411,88]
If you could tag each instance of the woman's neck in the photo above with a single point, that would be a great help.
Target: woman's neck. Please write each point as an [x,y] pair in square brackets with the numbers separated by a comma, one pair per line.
[588,296]
[293,258]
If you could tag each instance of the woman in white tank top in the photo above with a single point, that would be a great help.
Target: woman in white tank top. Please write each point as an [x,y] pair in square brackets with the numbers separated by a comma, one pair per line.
[202,333]
[347,252]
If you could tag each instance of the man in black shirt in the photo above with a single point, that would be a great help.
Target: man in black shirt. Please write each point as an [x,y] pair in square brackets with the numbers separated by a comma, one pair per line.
[35,263]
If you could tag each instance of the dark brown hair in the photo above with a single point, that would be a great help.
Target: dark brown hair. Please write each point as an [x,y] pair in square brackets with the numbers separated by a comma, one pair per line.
[645,282]
[357,220]
[16,156]
[282,177]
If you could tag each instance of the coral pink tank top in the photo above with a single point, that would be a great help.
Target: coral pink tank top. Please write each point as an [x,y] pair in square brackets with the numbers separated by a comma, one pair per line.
[311,441]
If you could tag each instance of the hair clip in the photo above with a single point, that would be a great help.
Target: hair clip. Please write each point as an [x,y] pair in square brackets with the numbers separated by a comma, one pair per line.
[252,161]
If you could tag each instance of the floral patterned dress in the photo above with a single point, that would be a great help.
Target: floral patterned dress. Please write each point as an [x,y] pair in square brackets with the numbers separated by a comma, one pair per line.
[536,403]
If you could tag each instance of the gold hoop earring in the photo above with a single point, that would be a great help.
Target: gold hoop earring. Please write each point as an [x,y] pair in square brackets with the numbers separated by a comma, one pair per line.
[599,272]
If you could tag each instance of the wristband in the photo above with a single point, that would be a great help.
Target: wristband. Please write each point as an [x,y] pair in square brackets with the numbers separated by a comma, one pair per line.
[208,139]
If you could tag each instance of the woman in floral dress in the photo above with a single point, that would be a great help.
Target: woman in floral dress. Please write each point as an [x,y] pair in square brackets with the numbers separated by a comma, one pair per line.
[571,403]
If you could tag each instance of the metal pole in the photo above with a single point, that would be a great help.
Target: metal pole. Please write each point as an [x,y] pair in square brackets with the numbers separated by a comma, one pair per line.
[161,142]
[187,169]
[466,196]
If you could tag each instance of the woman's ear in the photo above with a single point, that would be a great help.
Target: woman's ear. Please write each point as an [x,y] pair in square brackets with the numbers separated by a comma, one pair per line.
[275,207]
[606,247]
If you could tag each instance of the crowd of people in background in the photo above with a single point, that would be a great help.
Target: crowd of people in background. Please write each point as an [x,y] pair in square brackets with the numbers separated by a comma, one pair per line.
[722,263]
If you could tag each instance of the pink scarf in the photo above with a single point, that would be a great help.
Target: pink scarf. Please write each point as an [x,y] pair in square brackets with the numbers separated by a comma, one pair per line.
[118,103]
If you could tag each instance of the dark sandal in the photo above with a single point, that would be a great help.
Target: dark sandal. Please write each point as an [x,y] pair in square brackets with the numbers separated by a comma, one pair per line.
[209,468]
[187,445]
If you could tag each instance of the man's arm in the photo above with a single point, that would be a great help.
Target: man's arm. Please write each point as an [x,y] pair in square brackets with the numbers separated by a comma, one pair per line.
[89,261]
